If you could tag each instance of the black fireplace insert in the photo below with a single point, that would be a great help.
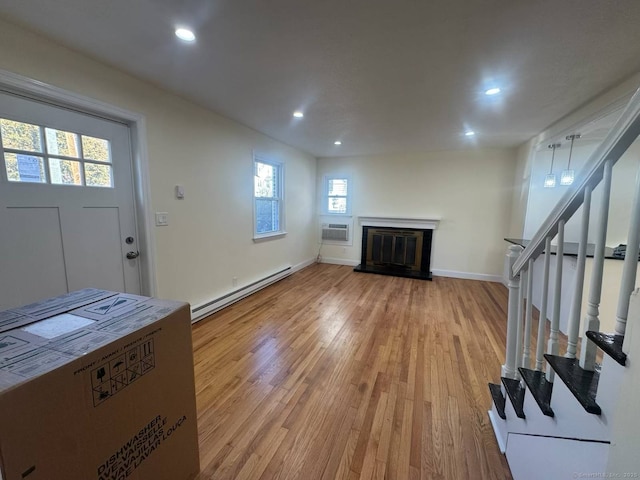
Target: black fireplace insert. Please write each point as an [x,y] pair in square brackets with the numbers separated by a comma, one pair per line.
[403,252]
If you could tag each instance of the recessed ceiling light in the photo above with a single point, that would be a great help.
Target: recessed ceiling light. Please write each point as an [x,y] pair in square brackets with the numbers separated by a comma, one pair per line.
[469,133]
[185,34]
[337,142]
[298,114]
[492,91]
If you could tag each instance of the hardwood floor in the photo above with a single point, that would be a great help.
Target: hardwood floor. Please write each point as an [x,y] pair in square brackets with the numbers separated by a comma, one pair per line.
[336,374]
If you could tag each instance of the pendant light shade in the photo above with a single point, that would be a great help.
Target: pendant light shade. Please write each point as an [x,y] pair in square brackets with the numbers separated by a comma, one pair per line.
[550,181]
[550,178]
[568,176]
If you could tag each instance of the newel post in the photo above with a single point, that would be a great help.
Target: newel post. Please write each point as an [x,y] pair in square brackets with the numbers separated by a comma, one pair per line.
[509,369]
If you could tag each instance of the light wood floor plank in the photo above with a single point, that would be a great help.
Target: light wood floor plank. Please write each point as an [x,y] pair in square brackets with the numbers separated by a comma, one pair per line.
[332,374]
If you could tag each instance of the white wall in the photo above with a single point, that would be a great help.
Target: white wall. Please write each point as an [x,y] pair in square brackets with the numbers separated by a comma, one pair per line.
[209,237]
[469,190]
[523,204]
[520,193]
[542,200]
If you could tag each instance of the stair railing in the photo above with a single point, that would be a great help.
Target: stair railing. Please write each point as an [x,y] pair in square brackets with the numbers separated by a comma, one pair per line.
[519,262]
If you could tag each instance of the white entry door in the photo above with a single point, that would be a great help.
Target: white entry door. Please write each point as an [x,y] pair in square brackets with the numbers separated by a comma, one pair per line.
[67,218]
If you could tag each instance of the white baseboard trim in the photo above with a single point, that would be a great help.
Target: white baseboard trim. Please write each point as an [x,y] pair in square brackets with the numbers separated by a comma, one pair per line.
[440,273]
[340,261]
[302,265]
[207,308]
[467,275]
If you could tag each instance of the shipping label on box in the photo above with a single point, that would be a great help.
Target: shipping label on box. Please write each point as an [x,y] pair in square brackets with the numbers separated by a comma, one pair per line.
[18,317]
[10,320]
[64,303]
[128,316]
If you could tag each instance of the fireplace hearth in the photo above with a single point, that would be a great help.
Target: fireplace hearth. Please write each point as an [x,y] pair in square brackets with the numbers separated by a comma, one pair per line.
[397,251]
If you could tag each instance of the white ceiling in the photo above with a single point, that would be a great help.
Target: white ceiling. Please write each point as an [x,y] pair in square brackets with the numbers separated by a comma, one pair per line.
[383,76]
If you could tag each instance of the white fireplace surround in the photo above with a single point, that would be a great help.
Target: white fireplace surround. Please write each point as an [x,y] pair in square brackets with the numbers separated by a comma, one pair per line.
[399,222]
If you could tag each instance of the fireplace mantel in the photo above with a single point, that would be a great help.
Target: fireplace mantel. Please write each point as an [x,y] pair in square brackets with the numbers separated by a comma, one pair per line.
[399,222]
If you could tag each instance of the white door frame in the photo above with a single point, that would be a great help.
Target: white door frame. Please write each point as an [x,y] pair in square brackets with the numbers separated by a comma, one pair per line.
[35,89]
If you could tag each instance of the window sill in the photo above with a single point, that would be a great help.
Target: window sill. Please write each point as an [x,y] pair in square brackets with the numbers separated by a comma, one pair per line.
[268,236]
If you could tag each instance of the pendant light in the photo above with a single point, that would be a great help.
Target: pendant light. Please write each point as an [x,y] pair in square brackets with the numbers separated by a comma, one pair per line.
[550,179]
[568,176]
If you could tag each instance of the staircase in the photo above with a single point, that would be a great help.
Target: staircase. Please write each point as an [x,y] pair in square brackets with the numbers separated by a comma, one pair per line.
[553,413]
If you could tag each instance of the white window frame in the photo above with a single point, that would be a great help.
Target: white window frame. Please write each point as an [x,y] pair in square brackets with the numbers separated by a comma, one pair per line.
[325,194]
[259,158]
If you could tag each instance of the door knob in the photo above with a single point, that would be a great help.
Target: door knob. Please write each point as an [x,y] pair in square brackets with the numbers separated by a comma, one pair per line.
[132,255]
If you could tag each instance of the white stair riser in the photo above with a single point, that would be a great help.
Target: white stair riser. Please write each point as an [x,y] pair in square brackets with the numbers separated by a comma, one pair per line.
[535,458]
[499,428]
[611,379]
[570,420]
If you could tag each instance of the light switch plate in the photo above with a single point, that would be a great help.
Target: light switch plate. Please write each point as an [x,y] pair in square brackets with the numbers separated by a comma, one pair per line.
[162,219]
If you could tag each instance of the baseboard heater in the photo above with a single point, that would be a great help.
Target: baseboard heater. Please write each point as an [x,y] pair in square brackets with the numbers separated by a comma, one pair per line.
[201,311]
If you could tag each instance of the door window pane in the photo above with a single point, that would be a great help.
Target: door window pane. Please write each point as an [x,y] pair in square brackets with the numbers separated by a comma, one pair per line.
[20,136]
[96,175]
[62,143]
[95,149]
[25,168]
[65,172]
[26,160]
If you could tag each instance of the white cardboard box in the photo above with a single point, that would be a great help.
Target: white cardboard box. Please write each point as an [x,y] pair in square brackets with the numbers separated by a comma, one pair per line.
[97,385]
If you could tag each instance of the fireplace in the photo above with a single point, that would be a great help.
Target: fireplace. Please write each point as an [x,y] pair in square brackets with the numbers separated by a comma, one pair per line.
[397,250]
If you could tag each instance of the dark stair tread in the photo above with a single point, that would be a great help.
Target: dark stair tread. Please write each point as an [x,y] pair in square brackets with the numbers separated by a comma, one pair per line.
[610,343]
[498,399]
[582,383]
[539,388]
[515,391]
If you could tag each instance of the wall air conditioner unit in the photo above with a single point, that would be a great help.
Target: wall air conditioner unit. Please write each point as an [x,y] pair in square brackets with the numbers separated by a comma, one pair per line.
[335,232]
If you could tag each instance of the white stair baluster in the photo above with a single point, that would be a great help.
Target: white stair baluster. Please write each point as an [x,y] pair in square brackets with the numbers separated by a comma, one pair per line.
[523,285]
[542,318]
[592,318]
[630,263]
[573,330]
[513,284]
[528,318]
[553,347]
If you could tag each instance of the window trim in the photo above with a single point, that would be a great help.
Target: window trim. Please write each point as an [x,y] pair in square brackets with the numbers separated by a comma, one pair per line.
[280,166]
[325,195]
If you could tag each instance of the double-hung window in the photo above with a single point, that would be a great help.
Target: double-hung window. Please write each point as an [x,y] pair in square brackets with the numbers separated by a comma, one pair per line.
[268,198]
[337,198]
